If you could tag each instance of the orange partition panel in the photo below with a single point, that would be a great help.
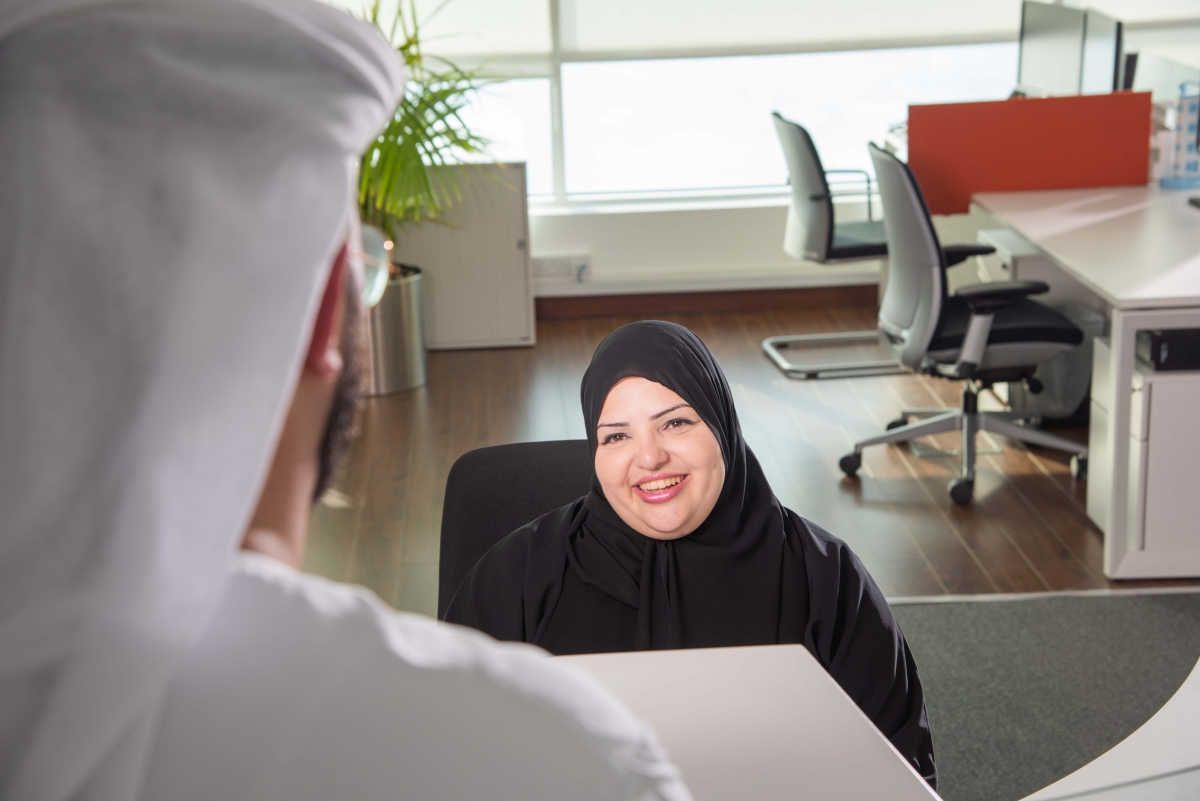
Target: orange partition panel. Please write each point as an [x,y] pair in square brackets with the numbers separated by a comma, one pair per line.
[956,149]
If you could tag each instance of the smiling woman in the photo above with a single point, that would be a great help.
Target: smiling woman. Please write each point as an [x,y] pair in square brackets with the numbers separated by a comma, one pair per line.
[654,449]
[681,543]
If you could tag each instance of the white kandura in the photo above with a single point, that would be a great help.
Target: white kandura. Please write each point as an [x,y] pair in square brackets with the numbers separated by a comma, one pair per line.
[175,179]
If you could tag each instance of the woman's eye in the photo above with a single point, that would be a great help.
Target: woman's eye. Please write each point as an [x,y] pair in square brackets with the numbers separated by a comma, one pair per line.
[678,422]
[613,438]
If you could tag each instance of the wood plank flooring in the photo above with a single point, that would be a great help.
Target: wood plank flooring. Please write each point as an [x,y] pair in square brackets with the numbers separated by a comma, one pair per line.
[1025,532]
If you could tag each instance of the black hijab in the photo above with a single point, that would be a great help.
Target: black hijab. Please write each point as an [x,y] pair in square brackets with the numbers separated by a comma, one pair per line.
[723,583]
[580,580]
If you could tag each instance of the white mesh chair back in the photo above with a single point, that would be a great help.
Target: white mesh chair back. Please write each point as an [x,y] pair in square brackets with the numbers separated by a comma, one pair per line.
[809,230]
[916,286]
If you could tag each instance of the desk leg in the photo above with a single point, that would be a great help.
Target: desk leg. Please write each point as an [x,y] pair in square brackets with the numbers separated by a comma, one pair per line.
[1122,340]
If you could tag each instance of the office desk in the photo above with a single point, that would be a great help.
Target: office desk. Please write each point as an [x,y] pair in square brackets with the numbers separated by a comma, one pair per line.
[1159,761]
[757,724]
[1137,248]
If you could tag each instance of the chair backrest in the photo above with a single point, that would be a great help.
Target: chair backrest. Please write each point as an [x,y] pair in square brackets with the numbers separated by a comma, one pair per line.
[491,492]
[916,286]
[809,233]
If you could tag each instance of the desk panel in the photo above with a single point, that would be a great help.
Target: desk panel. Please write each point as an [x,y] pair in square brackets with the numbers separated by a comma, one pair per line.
[758,723]
[1137,247]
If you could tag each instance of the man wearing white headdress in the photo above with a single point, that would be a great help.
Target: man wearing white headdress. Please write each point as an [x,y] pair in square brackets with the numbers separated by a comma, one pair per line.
[176,368]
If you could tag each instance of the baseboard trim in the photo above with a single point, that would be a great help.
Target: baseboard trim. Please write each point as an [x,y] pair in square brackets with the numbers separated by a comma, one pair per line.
[557,308]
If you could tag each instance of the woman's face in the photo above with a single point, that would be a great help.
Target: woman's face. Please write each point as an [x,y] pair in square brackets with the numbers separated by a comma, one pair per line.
[659,465]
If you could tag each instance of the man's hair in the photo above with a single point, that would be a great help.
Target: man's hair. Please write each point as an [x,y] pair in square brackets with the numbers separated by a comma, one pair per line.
[340,430]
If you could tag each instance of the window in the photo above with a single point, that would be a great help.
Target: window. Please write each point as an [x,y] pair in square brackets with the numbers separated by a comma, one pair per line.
[515,116]
[629,96]
[704,123]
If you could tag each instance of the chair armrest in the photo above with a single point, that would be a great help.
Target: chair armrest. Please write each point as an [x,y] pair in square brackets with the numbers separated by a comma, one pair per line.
[987,298]
[959,253]
[866,175]
[829,195]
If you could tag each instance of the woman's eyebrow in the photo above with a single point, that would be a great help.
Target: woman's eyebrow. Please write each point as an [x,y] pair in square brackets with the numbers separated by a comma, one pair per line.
[607,425]
[673,408]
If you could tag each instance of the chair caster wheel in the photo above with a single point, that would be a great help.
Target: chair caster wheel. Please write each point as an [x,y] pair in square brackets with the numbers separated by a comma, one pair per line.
[850,464]
[961,490]
[1078,467]
[899,422]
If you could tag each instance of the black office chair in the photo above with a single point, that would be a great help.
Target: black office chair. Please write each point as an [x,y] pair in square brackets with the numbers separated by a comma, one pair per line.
[492,492]
[813,234]
[985,333]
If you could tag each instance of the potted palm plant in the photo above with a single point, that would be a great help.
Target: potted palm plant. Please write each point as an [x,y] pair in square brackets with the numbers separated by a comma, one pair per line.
[406,176]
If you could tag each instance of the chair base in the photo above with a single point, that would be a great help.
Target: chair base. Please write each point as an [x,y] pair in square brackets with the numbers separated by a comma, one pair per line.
[773,346]
[969,420]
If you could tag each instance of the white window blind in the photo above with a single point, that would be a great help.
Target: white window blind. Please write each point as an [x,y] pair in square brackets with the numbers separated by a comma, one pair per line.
[597,29]
[1135,11]
[486,27]
[475,28]
[614,27]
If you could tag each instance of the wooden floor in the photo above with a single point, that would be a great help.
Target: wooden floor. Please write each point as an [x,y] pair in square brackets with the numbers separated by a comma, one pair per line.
[1025,532]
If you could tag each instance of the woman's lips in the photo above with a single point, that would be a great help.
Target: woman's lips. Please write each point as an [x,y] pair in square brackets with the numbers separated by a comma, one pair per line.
[661,495]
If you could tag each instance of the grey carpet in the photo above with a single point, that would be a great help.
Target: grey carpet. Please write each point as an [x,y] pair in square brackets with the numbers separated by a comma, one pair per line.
[1020,693]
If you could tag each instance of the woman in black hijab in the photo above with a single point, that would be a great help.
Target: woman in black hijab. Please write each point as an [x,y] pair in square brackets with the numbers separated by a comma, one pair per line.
[727,566]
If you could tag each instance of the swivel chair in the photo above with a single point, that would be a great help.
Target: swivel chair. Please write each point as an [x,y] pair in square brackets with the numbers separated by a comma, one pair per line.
[984,334]
[492,492]
[813,234]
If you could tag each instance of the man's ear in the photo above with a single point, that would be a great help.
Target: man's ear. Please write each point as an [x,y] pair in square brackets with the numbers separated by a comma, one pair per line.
[324,353]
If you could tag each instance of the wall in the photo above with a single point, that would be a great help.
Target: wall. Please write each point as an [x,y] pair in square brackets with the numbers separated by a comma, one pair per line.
[670,250]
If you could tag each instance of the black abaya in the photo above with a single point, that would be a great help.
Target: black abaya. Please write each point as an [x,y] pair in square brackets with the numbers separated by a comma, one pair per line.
[580,580]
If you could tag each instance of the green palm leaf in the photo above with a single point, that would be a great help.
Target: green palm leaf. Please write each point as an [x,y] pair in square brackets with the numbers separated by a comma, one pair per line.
[403,176]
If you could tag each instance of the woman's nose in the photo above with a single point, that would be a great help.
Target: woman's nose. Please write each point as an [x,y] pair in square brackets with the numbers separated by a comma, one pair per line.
[651,455]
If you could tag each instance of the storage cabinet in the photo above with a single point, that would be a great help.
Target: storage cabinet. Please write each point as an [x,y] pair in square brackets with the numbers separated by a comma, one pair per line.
[478,283]
[1163,523]
[1164,461]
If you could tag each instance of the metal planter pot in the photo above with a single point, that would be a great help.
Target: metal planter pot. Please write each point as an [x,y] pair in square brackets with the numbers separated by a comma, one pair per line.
[398,334]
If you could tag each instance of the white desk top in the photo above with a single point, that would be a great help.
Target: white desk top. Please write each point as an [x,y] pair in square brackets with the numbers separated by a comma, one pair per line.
[1167,746]
[757,724]
[1138,247]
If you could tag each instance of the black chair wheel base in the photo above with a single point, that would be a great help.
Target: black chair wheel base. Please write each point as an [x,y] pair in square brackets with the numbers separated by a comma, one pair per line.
[961,490]
[850,464]
[899,422]
[1079,467]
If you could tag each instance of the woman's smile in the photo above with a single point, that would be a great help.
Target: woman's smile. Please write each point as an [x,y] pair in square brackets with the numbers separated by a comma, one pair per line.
[660,487]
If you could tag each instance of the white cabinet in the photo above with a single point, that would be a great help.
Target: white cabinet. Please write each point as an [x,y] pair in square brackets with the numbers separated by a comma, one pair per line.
[478,283]
[1162,538]
[1164,462]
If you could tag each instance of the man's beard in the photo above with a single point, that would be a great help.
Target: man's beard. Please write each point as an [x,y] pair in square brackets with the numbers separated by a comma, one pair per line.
[340,429]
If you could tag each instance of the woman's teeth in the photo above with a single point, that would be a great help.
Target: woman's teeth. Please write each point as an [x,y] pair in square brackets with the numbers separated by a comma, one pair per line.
[662,483]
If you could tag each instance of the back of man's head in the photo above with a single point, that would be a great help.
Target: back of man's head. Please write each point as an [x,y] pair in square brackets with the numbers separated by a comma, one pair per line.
[177,182]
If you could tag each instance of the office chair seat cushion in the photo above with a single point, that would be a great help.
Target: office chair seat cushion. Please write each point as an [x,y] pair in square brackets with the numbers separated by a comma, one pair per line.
[1023,321]
[858,240]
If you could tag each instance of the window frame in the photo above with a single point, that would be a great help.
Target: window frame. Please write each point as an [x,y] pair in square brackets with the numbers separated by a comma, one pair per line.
[549,66]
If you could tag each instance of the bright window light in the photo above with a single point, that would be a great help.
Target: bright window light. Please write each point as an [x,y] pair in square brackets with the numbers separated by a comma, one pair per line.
[704,123]
[515,116]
